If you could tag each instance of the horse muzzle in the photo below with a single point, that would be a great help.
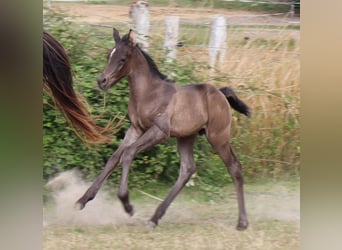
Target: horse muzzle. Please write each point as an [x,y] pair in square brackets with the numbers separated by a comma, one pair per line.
[103,83]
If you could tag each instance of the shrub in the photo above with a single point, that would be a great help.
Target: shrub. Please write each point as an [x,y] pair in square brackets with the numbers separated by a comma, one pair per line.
[263,152]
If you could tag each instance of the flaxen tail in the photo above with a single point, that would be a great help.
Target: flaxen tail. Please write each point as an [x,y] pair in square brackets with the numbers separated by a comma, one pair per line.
[235,102]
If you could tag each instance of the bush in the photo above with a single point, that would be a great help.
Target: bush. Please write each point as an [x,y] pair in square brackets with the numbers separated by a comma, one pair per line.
[62,150]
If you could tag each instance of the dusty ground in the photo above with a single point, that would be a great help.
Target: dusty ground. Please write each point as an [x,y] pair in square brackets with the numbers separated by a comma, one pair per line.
[96,13]
[190,223]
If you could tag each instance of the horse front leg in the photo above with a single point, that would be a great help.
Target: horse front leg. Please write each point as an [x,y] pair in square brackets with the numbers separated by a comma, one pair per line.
[130,137]
[151,137]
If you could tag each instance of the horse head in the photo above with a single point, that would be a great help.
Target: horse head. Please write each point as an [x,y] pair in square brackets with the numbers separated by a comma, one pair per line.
[118,60]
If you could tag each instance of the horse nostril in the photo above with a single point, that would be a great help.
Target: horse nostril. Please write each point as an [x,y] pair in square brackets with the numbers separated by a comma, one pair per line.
[101,80]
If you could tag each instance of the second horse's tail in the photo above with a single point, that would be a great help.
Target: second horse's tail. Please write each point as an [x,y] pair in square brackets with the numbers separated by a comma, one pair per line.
[235,102]
[58,82]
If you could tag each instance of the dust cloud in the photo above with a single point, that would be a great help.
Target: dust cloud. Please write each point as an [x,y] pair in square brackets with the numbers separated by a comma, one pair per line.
[277,203]
[65,189]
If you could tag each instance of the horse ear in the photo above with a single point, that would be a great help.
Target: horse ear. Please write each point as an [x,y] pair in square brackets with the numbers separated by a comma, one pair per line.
[116,35]
[132,37]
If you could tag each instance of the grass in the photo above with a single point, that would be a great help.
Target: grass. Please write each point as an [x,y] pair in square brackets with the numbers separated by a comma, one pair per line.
[174,236]
[262,65]
[264,7]
[264,70]
[193,223]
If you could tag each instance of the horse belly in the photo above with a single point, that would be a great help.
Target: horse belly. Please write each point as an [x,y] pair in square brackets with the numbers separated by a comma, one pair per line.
[187,122]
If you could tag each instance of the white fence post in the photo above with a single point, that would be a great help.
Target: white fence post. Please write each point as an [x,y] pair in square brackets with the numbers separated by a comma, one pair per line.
[171,37]
[292,9]
[139,12]
[217,42]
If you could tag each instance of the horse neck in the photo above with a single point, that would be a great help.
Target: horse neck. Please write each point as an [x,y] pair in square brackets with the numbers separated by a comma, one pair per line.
[141,79]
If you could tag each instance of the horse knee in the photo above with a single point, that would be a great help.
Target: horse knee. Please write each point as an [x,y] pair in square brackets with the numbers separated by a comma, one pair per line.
[127,155]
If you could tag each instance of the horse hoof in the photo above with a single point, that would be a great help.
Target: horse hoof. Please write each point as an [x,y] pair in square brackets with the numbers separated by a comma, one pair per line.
[242,225]
[79,205]
[130,210]
[150,224]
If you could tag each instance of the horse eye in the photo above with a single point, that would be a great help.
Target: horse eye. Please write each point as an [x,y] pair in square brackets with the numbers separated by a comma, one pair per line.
[122,60]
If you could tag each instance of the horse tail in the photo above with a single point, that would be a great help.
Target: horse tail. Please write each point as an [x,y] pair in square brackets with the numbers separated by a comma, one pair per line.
[235,102]
[58,83]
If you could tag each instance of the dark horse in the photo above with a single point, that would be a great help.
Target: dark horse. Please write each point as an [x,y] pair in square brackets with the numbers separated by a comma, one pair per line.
[159,109]
[58,83]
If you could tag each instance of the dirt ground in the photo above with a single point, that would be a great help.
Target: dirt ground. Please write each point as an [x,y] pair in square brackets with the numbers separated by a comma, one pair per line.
[97,13]
[190,222]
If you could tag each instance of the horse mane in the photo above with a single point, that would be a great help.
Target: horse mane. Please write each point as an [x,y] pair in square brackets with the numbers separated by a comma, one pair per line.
[152,65]
[58,83]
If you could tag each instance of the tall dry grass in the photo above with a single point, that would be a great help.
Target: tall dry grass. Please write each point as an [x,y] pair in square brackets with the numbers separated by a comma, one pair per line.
[262,64]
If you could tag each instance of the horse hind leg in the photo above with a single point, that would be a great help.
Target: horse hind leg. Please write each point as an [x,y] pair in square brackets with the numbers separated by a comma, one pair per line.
[235,170]
[187,168]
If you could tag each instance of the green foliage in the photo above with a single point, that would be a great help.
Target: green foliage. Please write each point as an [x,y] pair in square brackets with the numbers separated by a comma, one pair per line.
[87,48]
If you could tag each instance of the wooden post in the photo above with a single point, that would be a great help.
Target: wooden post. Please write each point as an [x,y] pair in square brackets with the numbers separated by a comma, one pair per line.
[139,12]
[171,37]
[292,10]
[217,42]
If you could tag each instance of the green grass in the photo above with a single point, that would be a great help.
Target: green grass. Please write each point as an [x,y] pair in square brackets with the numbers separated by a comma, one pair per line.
[264,71]
[206,4]
[175,236]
